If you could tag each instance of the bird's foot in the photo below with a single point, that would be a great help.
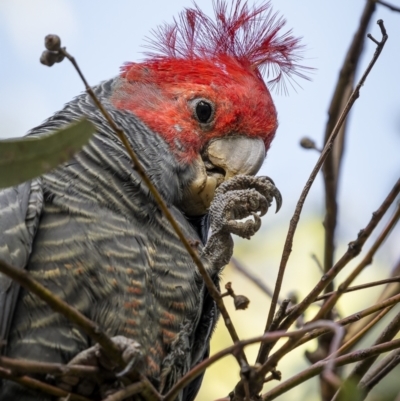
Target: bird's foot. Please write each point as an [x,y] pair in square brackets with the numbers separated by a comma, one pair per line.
[108,379]
[237,199]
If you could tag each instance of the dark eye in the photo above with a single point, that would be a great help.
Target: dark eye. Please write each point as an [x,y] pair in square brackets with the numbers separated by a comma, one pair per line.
[203,111]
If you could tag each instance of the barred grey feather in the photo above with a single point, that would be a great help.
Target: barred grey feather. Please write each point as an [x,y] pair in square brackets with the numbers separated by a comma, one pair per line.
[92,234]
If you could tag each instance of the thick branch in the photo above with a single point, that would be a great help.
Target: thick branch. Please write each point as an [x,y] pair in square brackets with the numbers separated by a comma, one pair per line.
[331,167]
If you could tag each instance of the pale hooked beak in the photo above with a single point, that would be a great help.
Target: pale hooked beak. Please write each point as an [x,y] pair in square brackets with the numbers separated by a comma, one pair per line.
[222,159]
[235,155]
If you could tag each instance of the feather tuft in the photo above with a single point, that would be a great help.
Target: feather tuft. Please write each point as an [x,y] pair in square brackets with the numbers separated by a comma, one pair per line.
[252,35]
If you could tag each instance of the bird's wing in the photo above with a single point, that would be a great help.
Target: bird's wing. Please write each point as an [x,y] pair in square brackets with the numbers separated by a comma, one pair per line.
[20,209]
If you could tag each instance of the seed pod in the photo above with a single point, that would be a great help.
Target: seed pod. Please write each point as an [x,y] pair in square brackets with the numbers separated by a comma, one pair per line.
[241,302]
[307,143]
[48,58]
[52,42]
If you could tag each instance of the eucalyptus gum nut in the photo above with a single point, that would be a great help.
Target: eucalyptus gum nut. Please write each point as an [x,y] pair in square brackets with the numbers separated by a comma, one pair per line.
[48,58]
[52,42]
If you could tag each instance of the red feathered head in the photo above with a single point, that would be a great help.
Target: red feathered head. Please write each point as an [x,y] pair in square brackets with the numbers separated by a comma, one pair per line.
[215,67]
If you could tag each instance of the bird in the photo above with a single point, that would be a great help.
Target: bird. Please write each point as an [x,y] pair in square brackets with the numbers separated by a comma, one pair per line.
[199,114]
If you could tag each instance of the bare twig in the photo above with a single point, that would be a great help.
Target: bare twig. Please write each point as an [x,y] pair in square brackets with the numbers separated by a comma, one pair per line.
[266,337]
[360,334]
[120,395]
[40,386]
[389,6]
[355,317]
[318,367]
[239,266]
[394,279]
[388,292]
[353,250]
[296,216]
[367,260]
[318,263]
[18,366]
[331,167]
[375,375]
[279,316]
[362,367]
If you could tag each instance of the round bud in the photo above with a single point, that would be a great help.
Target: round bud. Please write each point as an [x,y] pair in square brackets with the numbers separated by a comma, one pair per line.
[307,143]
[241,302]
[52,42]
[47,58]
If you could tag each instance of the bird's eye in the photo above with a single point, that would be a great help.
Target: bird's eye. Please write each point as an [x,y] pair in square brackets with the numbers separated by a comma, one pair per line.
[204,111]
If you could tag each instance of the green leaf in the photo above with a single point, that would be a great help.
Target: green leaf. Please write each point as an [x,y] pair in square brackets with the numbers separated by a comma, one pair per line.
[25,158]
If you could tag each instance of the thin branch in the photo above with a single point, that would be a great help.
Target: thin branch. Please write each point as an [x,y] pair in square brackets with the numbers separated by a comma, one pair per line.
[362,367]
[360,334]
[128,391]
[18,366]
[279,316]
[317,262]
[367,260]
[394,279]
[355,317]
[390,290]
[40,386]
[383,368]
[318,367]
[331,167]
[239,266]
[266,337]
[296,216]
[137,166]
[389,6]
[354,249]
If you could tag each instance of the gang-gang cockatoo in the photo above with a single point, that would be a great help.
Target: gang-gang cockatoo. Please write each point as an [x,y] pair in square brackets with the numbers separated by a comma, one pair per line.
[201,119]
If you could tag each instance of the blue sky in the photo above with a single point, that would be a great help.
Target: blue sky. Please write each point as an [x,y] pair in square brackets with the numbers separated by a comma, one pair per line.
[102,35]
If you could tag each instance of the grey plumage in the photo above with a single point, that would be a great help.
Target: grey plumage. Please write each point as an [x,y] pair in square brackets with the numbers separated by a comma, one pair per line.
[91,233]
